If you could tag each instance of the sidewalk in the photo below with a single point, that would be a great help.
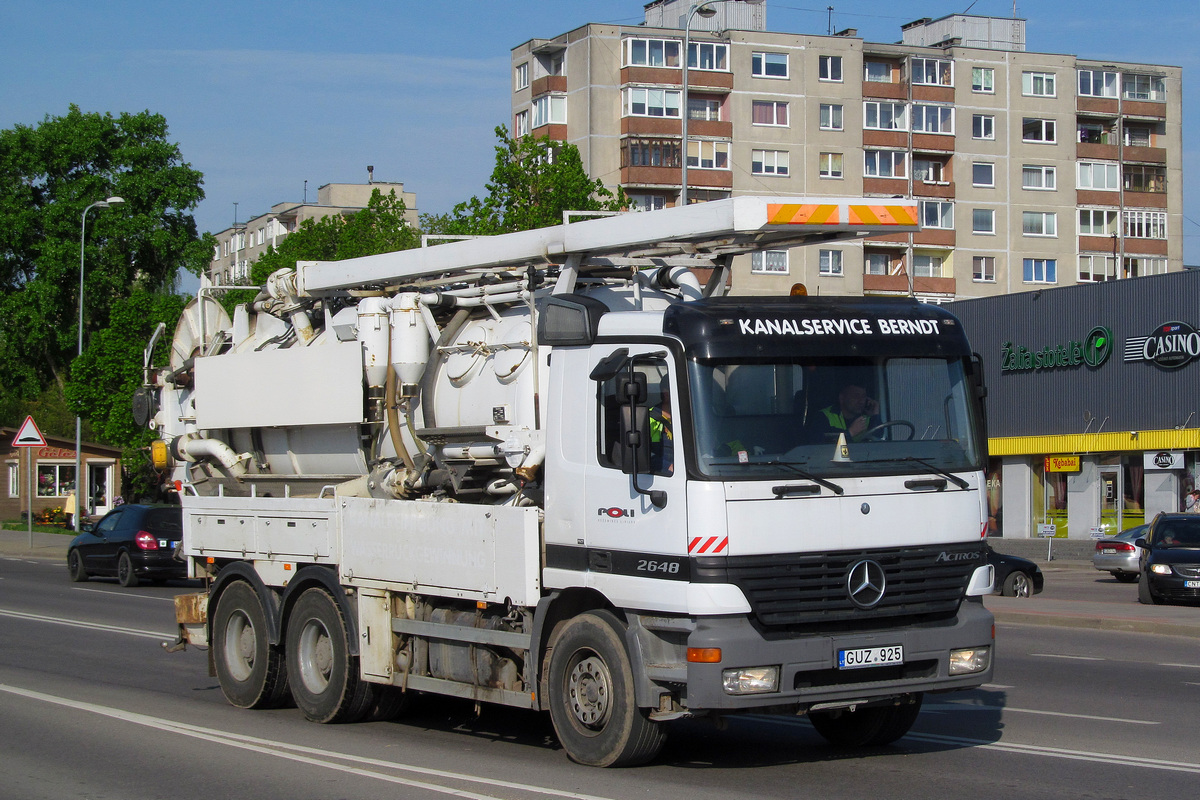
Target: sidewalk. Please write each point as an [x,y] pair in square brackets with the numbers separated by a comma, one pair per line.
[1036,610]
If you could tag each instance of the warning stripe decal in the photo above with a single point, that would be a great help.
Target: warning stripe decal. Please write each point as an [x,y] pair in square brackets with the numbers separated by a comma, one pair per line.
[883,215]
[712,545]
[831,214]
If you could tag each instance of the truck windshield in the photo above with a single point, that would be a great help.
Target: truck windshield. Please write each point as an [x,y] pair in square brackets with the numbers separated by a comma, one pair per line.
[756,420]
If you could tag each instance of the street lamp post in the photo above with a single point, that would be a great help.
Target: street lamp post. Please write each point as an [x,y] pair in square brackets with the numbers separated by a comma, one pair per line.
[706,10]
[80,484]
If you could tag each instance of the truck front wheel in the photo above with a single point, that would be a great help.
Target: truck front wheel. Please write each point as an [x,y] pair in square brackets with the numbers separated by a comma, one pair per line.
[251,672]
[325,681]
[592,702]
[873,726]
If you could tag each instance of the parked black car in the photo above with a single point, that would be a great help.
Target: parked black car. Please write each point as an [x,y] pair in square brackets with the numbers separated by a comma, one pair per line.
[1170,556]
[1015,576]
[131,543]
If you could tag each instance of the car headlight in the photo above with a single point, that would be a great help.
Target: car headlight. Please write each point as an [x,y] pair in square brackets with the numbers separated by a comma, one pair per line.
[1160,569]
[968,660]
[751,680]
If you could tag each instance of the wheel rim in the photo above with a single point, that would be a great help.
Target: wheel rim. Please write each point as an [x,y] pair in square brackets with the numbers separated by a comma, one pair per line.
[315,651]
[241,646]
[1021,585]
[73,562]
[589,692]
[124,568]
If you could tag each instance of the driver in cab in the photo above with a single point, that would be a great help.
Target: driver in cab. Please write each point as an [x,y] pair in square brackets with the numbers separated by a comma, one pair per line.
[853,414]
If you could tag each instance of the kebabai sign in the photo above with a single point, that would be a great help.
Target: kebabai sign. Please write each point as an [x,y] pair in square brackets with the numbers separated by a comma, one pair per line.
[1171,345]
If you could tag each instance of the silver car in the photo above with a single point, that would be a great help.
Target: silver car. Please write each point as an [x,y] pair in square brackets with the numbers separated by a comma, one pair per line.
[1118,554]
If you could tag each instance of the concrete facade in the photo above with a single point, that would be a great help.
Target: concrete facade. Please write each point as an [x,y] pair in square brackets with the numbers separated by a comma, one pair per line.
[1031,169]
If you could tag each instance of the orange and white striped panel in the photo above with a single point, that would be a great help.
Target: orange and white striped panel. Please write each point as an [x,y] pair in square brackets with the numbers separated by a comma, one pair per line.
[707,545]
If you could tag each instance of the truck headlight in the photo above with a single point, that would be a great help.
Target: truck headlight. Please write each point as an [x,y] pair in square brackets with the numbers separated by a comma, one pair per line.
[751,680]
[1160,569]
[968,660]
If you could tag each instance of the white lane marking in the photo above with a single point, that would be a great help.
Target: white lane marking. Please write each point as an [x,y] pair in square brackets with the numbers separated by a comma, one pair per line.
[170,599]
[1072,658]
[965,706]
[74,623]
[996,686]
[1185,666]
[304,755]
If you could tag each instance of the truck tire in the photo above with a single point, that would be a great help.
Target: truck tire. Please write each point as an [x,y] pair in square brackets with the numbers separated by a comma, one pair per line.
[126,575]
[873,726]
[75,567]
[324,676]
[592,702]
[251,672]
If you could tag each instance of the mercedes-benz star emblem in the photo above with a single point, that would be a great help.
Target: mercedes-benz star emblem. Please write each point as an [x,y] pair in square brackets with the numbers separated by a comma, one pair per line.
[865,583]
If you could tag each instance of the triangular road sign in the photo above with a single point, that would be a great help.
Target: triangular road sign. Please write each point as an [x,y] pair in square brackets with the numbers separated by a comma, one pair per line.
[29,435]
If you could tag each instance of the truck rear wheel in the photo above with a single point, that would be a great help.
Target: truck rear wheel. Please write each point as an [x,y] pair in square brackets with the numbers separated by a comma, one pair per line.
[592,702]
[873,726]
[324,676]
[251,672]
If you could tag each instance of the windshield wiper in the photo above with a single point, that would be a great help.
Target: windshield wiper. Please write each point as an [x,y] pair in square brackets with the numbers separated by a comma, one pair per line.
[936,470]
[808,476]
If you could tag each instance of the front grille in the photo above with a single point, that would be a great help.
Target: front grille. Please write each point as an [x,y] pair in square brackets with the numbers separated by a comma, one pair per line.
[806,592]
[1188,571]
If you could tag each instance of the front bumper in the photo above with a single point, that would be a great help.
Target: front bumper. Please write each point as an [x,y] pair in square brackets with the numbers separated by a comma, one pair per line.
[808,664]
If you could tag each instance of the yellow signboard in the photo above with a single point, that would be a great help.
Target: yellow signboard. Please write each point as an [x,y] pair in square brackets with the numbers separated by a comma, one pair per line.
[1062,463]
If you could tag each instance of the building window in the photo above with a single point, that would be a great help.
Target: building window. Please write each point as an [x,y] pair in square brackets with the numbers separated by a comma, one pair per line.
[708,155]
[14,479]
[650,153]
[1143,87]
[769,162]
[1096,133]
[884,163]
[769,262]
[1097,222]
[1136,267]
[708,56]
[877,72]
[983,174]
[983,126]
[831,117]
[1138,135]
[1098,175]
[927,266]
[1037,84]
[830,68]
[1041,270]
[769,65]
[1145,178]
[884,116]
[647,202]
[1038,177]
[650,103]
[830,165]
[260,236]
[1096,268]
[983,79]
[704,108]
[983,220]
[876,263]
[932,71]
[769,112]
[932,119]
[216,252]
[521,76]
[983,269]
[652,53]
[928,171]
[1145,224]
[937,214]
[551,109]
[521,124]
[1097,83]
[831,262]
[1039,223]
[55,480]
[1037,130]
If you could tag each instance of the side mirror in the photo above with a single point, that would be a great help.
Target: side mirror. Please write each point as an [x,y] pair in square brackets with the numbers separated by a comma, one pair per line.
[88,527]
[1141,542]
[634,441]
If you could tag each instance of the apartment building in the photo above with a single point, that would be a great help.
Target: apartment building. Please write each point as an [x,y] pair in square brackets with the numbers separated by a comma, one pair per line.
[240,245]
[1030,169]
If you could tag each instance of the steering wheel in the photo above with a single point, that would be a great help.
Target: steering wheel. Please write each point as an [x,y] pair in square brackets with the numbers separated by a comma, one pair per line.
[869,432]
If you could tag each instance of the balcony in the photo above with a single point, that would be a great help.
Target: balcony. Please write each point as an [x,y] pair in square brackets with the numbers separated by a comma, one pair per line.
[933,142]
[873,138]
[944,189]
[1144,108]
[1144,247]
[889,91]
[933,237]
[1101,152]
[1152,155]
[557,133]
[549,83]
[933,94]
[1091,197]
[1104,106]
[1145,199]
[698,79]
[885,186]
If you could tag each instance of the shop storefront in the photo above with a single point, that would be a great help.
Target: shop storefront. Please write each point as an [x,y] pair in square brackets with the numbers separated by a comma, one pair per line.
[1093,404]
[53,478]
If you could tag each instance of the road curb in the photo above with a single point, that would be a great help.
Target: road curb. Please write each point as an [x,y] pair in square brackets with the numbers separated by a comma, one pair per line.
[1089,621]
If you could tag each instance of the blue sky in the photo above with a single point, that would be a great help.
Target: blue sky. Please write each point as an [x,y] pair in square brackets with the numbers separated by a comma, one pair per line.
[262,97]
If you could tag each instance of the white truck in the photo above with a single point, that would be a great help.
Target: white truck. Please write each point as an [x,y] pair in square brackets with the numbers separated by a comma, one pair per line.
[556,470]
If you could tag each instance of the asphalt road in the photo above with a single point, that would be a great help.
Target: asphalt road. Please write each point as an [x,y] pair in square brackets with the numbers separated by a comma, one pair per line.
[93,707]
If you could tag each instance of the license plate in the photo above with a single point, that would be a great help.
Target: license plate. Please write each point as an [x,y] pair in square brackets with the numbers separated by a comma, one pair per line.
[1108,551]
[1191,584]
[870,656]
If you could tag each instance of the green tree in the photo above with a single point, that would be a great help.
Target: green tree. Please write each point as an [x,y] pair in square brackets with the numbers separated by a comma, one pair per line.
[49,173]
[534,181]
